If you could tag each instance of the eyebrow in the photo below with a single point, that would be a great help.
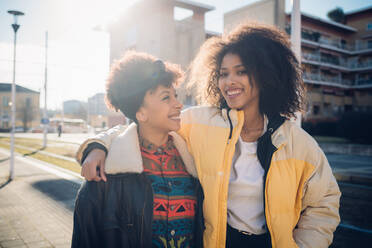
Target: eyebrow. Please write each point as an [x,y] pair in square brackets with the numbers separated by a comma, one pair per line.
[164,92]
[235,66]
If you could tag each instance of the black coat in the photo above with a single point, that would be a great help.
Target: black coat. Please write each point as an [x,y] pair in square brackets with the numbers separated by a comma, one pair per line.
[119,212]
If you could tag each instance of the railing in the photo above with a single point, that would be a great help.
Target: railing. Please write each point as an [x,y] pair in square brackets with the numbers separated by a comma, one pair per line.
[365,64]
[337,62]
[358,46]
[363,82]
[324,78]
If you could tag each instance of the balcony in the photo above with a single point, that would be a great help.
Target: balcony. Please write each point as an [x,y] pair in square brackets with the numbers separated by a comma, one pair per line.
[363,83]
[337,63]
[336,44]
[327,80]
[325,61]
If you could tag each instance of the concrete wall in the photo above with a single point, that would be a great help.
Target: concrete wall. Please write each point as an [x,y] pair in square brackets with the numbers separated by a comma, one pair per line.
[261,11]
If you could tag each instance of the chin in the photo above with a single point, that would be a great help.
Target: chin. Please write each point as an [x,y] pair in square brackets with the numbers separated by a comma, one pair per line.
[234,106]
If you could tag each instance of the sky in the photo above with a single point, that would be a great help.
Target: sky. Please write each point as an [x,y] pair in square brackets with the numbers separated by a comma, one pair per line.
[78,56]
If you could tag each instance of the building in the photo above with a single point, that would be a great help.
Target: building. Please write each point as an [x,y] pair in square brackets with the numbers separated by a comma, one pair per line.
[271,12]
[337,63]
[75,109]
[27,107]
[336,57]
[150,26]
[99,116]
[96,104]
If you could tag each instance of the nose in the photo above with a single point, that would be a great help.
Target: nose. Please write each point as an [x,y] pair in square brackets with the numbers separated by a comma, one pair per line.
[231,79]
[177,104]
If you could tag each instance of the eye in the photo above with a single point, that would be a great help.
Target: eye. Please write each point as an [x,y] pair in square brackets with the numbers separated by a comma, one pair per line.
[223,74]
[242,72]
[165,98]
[176,96]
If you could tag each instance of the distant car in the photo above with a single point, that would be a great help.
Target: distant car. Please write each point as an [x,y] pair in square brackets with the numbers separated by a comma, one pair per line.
[19,130]
[36,130]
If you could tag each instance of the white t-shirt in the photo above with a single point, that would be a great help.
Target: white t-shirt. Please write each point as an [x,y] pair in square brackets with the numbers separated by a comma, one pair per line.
[245,203]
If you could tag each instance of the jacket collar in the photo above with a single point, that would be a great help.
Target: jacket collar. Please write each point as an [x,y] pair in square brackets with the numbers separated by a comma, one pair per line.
[274,125]
[124,155]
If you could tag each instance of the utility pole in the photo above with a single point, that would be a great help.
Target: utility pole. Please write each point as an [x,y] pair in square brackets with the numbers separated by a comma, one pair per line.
[15,27]
[45,116]
[296,39]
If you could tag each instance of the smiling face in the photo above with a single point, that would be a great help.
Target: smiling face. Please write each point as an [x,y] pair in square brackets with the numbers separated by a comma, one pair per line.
[160,110]
[234,84]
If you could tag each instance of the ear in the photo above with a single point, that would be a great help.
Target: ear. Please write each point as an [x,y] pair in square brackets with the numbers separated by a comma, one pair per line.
[141,115]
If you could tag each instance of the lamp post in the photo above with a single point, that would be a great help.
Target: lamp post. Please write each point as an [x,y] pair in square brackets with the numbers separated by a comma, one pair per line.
[296,38]
[15,27]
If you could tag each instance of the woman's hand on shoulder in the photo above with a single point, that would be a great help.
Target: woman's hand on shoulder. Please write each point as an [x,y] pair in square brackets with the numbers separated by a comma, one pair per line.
[93,167]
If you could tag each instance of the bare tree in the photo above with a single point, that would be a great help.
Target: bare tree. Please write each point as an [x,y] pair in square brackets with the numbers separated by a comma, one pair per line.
[26,113]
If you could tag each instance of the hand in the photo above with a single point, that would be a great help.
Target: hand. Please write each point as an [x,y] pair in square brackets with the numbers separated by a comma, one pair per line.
[93,167]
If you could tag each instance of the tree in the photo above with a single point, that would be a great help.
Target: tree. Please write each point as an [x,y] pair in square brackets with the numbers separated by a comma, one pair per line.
[26,113]
[337,15]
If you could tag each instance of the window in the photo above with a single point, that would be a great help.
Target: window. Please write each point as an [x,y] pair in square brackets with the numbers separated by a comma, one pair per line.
[28,102]
[316,109]
[5,101]
[369,26]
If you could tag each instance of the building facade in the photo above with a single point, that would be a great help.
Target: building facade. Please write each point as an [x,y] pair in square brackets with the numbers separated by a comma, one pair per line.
[271,12]
[337,64]
[99,116]
[27,107]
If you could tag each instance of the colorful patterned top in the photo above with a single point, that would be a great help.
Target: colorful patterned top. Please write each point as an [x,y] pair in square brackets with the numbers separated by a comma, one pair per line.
[174,195]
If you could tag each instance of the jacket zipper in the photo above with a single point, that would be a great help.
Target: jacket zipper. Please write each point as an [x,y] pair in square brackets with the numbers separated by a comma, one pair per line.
[270,153]
[227,160]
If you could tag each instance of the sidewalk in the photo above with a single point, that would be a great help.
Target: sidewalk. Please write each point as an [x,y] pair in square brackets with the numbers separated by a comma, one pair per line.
[36,208]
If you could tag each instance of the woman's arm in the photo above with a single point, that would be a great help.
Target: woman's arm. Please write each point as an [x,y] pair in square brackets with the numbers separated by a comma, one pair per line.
[92,154]
[320,216]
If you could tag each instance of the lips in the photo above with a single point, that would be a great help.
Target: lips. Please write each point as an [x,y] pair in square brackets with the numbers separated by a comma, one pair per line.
[232,93]
[175,117]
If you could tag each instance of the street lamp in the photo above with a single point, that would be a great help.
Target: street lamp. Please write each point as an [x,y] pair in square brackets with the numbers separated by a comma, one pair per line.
[296,39]
[15,27]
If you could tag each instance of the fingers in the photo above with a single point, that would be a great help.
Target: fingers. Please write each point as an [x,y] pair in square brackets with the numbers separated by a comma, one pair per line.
[102,170]
[89,172]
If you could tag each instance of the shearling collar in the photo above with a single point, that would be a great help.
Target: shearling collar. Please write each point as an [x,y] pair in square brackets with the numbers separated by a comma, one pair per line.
[124,154]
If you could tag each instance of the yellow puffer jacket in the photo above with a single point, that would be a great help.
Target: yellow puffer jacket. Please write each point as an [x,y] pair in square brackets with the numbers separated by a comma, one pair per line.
[301,193]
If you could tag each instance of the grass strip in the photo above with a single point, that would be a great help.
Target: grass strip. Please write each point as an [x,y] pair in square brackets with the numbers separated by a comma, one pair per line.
[56,147]
[72,166]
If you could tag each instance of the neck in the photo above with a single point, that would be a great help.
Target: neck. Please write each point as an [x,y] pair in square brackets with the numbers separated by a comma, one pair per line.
[156,137]
[253,119]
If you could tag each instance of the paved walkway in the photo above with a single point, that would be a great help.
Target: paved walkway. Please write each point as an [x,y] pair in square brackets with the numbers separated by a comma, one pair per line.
[36,208]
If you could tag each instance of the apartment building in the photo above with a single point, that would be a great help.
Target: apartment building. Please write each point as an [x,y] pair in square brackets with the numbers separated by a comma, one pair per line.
[337,63]
[27,107]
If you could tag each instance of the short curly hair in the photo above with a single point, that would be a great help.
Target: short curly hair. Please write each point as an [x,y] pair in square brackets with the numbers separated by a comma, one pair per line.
[135,74]
[270,63]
